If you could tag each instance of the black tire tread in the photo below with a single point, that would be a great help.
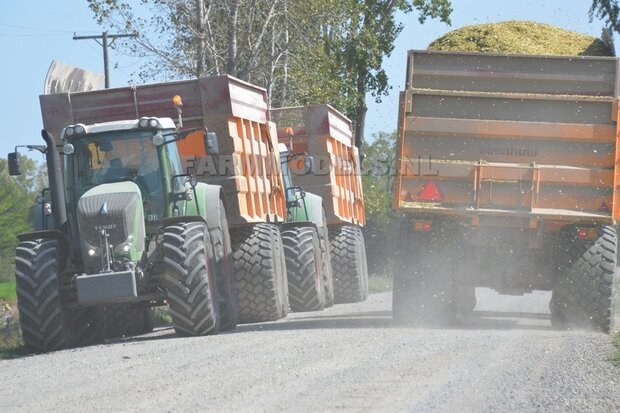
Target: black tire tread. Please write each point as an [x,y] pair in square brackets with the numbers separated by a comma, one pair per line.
[585,296]
[186,255]
[348,264]
[257,272]
[303,256]
[45,325]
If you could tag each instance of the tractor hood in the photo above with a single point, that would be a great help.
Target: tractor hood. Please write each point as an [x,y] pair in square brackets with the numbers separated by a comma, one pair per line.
[115,208]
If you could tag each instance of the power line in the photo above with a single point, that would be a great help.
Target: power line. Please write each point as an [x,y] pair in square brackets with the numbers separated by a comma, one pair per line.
[39,29]
[104,43]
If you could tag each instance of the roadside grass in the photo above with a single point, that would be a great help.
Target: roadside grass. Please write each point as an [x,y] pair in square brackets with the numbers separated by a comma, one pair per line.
[379,284]
[615,357]
[162,317]
[11,343]
[7,291]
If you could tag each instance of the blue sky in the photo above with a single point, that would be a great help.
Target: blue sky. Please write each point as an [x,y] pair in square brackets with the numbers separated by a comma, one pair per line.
[35,32]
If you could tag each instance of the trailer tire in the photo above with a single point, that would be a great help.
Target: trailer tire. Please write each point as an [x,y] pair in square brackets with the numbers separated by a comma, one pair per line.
[348,264]
[122,320]
[45,325]
[302,251]
[189,279]
[260,271]
[585,296]
[223,265]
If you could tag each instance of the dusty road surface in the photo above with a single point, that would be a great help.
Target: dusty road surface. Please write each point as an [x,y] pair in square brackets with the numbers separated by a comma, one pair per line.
[349,358]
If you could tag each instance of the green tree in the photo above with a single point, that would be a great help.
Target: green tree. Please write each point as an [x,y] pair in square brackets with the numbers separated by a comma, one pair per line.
[17,196]
[323,51]
[378,185]
[608,11]
[352,41]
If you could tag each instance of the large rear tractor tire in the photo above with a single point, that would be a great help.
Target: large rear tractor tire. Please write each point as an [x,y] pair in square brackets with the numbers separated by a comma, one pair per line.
[302,250]
[348,264]
[260,273]
[584,296]
[223,265]
[424,291]
[190,284]
[123,320]
[45,325]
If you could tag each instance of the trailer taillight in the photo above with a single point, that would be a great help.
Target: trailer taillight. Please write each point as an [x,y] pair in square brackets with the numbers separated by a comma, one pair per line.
[424,226]
[586,233]
[430,193]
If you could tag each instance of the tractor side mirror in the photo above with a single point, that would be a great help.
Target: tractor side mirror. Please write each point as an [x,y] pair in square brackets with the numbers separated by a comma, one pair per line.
[15,164]
[211,145]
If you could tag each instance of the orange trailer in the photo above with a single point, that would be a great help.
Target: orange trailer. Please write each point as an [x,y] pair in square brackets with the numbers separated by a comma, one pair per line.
[325,134]
[507,168]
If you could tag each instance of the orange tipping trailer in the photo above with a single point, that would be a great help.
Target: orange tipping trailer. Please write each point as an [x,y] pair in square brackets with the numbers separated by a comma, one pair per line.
[325,134]
[507,169]
[247,166]
[245,172]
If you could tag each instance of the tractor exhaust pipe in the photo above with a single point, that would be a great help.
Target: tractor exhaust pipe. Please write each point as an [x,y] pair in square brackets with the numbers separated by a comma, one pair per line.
[54,173]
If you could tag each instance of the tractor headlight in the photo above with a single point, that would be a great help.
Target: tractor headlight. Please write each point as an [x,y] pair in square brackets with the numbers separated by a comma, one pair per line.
[124,247]
[73,130]
[91,252]
[151,123]
[47,208]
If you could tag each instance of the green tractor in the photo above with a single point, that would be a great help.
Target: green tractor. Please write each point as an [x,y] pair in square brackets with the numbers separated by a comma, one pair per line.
[305,239]
[130,231]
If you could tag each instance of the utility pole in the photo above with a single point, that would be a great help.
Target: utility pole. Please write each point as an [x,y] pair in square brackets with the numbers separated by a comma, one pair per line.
[104,43]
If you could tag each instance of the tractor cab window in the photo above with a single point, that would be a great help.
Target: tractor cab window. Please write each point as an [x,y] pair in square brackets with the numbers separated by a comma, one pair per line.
[119,156]
[286,172]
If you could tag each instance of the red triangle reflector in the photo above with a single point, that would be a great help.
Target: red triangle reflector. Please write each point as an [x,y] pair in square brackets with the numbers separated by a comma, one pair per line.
[430,193]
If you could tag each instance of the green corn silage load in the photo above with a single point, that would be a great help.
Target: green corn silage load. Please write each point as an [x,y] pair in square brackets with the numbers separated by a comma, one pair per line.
[523,37]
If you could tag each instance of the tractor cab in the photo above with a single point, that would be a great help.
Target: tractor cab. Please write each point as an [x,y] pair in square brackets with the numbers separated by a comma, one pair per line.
[134,151]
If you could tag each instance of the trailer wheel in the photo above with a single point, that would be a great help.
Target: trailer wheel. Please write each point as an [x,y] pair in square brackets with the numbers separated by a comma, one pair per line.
[348,264]
[223,265]
[424,291]
[260,271]
[585,296]
[303,266]
[122,320]
[45,325]
[189,279]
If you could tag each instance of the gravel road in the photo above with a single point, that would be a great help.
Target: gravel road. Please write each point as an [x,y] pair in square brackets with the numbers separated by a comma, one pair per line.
[348,358]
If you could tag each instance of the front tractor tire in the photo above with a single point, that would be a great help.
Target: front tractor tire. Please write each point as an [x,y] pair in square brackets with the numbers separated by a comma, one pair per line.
[583,297]
[260,273]
[45,324]
[350,270]
[302,250]
[190,285]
